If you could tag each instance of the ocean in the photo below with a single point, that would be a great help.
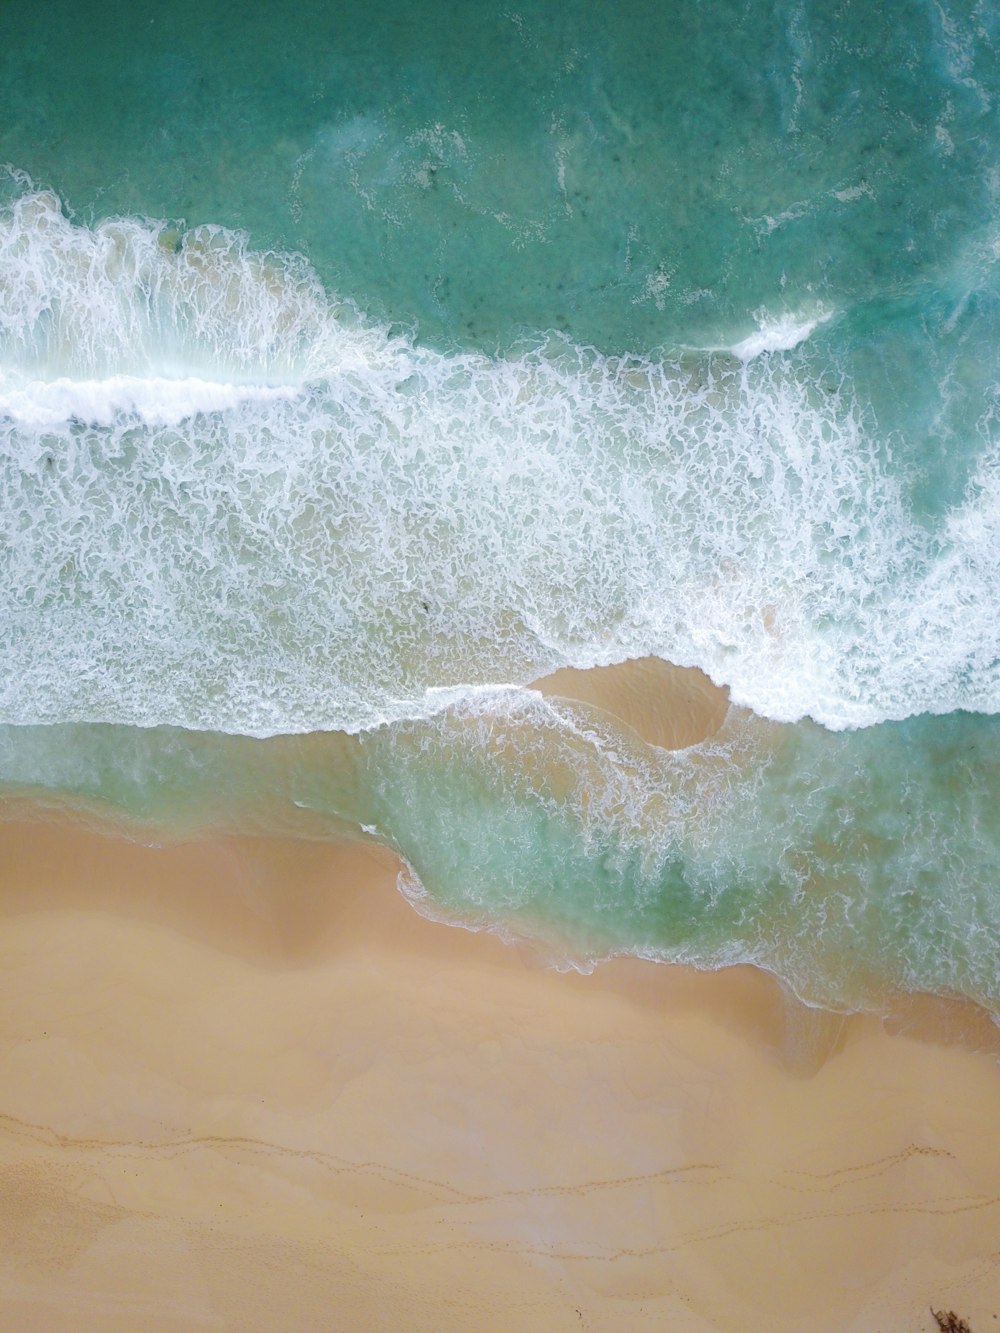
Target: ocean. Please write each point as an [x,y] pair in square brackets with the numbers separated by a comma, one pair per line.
[362,365]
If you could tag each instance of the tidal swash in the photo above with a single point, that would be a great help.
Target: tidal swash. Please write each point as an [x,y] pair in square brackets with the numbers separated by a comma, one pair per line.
[359,368]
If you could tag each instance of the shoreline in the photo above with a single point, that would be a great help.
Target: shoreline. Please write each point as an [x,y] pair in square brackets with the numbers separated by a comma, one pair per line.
[237,1060]
[666,705]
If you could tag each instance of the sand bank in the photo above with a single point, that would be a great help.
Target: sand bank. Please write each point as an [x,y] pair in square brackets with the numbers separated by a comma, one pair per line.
[244,1086]
[667,705]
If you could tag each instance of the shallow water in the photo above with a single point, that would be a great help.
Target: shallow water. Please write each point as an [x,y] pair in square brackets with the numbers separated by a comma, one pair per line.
[465,351]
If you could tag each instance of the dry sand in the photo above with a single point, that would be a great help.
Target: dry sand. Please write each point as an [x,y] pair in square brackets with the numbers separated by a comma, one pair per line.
[244,1086]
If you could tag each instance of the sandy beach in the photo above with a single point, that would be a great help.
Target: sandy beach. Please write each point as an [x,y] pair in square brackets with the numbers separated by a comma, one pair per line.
[499,667]
[245,1086]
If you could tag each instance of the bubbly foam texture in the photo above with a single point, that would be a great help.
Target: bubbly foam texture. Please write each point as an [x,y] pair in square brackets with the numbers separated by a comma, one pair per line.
[231,503]
[777,335]
[137,298]
[154,399]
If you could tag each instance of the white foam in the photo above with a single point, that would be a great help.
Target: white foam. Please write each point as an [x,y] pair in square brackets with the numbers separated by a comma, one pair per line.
[230,502]
[154,399]
[778,334]
[137,298]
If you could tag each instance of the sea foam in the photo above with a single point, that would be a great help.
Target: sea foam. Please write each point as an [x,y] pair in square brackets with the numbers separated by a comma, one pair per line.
[233,503]
[154,399]
[778,334]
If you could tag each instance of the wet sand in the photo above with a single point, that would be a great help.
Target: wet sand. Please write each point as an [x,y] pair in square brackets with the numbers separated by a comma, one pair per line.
[667,705]
[244,1086]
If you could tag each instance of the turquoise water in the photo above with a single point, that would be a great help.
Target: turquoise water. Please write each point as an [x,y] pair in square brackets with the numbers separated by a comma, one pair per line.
[358,368]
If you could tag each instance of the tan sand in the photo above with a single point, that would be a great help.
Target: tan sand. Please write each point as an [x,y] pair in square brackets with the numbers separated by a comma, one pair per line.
[667,705]
[243,1086]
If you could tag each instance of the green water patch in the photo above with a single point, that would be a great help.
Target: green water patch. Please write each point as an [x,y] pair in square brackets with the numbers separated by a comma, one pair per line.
[853,865]
[633,175]
[849,864]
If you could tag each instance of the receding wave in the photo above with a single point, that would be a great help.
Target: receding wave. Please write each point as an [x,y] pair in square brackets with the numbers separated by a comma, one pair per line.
[855,865]
[341,527]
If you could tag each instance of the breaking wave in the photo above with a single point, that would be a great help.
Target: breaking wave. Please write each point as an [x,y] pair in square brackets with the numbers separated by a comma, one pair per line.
[233,503]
